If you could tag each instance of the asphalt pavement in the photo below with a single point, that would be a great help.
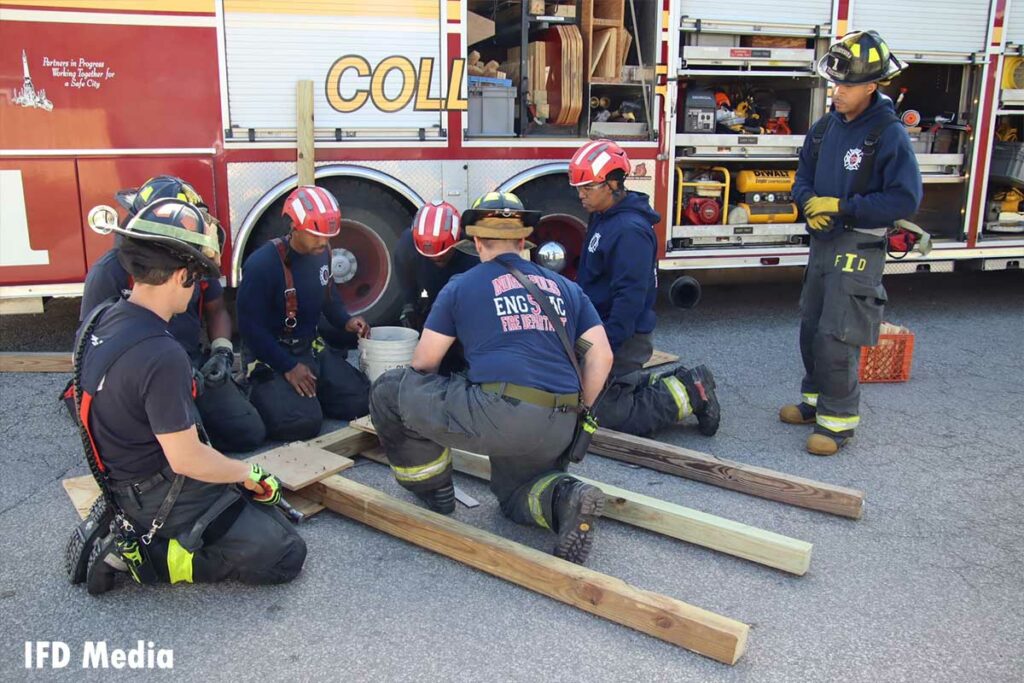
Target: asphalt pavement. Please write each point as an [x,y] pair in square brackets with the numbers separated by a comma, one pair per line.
[927,586]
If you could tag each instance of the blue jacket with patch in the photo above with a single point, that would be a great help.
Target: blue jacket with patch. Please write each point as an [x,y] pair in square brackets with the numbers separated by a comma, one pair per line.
[618,267]
[894,190]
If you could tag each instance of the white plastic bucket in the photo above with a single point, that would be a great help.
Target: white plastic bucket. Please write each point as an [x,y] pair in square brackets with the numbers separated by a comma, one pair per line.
[386,348]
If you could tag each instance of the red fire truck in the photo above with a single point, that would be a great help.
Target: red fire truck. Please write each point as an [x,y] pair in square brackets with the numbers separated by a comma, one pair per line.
[710,99]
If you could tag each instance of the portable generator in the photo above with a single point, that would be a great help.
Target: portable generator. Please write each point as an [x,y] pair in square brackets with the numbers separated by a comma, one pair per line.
[767,195]
[702,195]
[699,111]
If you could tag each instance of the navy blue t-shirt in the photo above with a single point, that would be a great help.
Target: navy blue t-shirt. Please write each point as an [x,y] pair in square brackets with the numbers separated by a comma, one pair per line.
[147,391]
[417,273]
[504,333]
[261,302]
[107,278]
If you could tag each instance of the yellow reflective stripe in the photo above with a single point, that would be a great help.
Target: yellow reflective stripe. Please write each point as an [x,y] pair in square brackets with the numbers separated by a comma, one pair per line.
[854,49]
[873,56]
[838,424]
[424,472]
[811,399]
[179,563]
[536,510]
[679,395]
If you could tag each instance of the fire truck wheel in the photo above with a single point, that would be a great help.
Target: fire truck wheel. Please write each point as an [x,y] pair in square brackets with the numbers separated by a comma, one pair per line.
[564,219]
[372,218]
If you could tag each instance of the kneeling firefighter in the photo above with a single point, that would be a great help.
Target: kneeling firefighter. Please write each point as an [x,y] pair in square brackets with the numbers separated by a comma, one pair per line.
[170,509]
[296,378]
[619,272]
[857,175]
[231,422]
[523,397]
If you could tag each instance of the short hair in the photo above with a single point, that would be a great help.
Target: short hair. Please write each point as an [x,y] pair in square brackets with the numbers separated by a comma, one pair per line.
[148,263]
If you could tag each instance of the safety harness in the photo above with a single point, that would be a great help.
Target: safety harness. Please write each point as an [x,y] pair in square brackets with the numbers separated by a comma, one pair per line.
[86,384]
[899,240]
[291,298]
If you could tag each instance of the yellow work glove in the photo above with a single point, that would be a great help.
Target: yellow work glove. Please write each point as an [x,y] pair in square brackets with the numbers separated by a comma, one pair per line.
[819,222]
[823,206]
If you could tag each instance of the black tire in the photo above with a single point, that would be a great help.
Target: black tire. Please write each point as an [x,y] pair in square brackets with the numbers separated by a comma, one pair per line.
[362,201]
[552,194]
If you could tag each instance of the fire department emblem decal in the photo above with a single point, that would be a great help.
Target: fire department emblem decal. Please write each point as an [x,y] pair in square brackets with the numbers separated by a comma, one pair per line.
[325,272]
[851,162]
[594,241]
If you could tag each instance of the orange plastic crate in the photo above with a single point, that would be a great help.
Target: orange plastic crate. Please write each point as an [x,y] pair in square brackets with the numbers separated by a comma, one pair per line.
[889,361]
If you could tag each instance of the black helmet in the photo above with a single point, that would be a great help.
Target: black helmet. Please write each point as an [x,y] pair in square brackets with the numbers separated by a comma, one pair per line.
[161,187]
[860,57]
[188,233]
[499,215]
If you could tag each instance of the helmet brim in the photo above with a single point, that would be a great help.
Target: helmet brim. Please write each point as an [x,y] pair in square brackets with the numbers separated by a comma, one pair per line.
[469,247]
[190,256]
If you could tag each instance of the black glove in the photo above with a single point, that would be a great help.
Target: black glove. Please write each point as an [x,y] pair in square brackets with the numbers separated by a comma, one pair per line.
[217,370]
[411,318]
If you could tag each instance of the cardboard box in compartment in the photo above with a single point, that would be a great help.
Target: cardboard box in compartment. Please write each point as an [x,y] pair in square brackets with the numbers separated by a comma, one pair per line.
[774,41]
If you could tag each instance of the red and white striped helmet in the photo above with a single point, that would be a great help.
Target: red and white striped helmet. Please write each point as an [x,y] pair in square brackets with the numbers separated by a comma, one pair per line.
[314,210]
[595,160]
[436,229]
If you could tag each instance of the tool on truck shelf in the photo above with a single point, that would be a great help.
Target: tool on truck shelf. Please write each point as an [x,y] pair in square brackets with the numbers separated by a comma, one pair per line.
[701,197]
[766,197]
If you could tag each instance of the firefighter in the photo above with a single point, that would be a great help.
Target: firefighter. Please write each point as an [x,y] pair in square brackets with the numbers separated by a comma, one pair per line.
[230,420]
[857,174]
[426,258]
[517,403]
[170,509]
[618,271]
[296,379]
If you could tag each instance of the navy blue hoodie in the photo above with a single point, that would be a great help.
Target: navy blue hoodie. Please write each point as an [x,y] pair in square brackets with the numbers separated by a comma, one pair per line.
[618,267]
[894,190]
[261,302]
[417,273]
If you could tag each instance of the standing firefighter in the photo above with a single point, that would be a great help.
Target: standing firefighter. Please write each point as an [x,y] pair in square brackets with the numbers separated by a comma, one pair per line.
[857,175]
[619,272]
[296,378]
[230,420]
[426,259]
[169,509]
[521,397]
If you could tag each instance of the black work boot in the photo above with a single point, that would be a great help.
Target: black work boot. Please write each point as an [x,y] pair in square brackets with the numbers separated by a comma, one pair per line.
[576,506]
[105,563]
[79,547]
[700,387]
[440,500]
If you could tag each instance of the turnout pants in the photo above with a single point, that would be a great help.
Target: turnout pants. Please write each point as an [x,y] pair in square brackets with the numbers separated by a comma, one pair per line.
[419,418]
[639,402]
[841,307]
[342,393]
[214,532]
[231,421]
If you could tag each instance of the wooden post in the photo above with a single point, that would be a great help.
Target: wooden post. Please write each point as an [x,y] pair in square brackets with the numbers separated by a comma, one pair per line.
[35,362]
[756,481]
[671,620]
[304,132]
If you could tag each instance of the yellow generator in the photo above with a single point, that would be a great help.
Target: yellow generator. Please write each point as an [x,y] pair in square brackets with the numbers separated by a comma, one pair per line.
[766,196]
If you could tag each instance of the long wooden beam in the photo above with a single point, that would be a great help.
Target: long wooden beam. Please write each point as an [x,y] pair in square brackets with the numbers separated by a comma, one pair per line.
[716,533]
[756,481]
[671,620]
[35,362]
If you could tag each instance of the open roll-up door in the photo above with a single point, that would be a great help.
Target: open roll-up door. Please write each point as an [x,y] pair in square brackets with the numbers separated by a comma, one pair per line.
[271,45]
[953,27]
